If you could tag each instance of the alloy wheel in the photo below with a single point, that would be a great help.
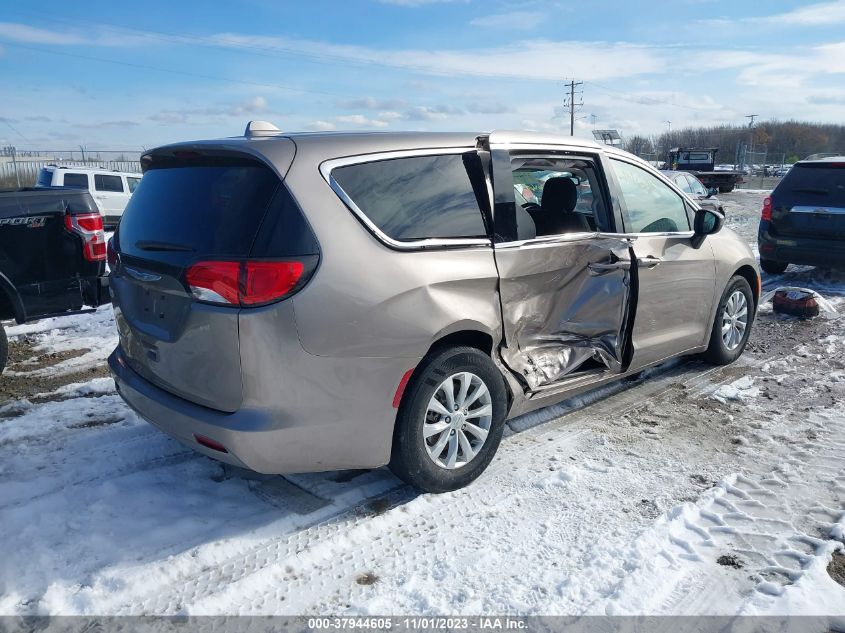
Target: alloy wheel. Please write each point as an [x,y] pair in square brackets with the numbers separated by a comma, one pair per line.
[457,420]
[734,320]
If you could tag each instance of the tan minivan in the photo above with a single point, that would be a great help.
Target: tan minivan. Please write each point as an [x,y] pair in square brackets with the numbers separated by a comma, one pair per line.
[303,302]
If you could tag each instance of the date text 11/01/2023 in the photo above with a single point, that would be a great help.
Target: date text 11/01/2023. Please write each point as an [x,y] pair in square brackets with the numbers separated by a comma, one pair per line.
[418,623]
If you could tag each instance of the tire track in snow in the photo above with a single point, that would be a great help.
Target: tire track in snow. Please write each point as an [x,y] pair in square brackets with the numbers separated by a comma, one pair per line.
[188,590]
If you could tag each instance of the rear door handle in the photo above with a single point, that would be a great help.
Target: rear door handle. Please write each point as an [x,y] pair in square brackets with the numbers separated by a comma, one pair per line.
[649,261]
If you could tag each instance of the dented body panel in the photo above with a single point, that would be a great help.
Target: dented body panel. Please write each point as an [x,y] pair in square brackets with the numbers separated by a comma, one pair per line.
[564,302]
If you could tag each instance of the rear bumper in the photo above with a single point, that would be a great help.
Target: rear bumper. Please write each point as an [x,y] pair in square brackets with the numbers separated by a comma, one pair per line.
[315,414]
[183,420]
[801,250]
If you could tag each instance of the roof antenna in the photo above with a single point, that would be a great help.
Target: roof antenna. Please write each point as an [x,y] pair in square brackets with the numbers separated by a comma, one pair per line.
[260,128]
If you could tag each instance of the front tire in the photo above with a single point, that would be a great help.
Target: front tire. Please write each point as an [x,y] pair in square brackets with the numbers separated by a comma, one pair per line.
[732,324]
[450,420]
[772,267]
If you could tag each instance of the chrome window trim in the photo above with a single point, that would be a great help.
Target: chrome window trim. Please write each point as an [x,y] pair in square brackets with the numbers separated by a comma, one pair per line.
[327,166]
[821,210]
[547,240]
[564,238]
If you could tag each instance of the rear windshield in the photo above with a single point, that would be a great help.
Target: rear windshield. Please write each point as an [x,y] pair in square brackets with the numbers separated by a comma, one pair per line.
[183,212]
[45,178]
[813,183]
[415,198]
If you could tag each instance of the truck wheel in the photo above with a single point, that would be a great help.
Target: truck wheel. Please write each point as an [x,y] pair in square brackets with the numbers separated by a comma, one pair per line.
[4,349]
[726,188]
[732,324]
[450,420]
[772,267]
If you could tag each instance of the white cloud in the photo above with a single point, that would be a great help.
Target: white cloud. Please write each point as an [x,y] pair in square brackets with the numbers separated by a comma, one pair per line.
[535,59]
[371,103]
[359,120]
[513,20]
[249,106]
[823,13]
[321,126]
[97,37]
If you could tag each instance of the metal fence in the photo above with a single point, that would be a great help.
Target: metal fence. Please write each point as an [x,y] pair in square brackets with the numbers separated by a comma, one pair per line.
[19,168]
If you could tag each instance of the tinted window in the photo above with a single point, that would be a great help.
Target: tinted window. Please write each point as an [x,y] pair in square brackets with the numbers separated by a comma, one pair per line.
[76,180]
[813,183]
[208,210]
[102,182]
[415,198]
[45,178]
[651,206]
[132,183]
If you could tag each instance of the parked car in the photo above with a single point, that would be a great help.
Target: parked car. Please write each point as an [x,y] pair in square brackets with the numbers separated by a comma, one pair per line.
[803,221]
[52,255]
[111,190]
[694,188]
[292,303]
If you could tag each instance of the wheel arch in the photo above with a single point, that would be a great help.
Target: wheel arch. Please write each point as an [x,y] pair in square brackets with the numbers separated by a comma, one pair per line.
[750,275]
[11,305]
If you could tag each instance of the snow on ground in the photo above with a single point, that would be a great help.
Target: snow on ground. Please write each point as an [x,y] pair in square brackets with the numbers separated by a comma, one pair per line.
[691,490]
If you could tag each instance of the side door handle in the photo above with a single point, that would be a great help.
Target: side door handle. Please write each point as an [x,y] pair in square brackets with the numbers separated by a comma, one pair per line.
[649,261]
[597,268]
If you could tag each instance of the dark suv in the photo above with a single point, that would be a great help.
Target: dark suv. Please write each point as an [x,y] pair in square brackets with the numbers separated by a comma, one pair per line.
[803,221]
[52,255]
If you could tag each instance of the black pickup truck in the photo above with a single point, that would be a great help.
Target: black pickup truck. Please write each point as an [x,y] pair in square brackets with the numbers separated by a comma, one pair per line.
[52,255]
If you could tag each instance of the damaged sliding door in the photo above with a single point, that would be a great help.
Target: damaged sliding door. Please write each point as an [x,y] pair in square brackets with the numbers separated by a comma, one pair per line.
[565,285]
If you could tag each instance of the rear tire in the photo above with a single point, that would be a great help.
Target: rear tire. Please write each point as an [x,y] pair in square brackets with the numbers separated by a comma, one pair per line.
[4,349]
[772,267]
[726,341]
[427,420]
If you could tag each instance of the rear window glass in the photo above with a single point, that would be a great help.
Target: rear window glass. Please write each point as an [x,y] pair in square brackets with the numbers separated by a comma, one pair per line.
[75,180]
[203,210]
[132,183]
[102,182]
[45,178]
[415,198]
[814,183]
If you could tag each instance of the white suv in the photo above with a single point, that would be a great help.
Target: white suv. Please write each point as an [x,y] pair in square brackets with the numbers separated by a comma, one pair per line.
[111,190]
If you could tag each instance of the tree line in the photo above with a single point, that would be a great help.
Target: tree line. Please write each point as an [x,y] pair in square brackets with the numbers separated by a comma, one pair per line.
[790,140]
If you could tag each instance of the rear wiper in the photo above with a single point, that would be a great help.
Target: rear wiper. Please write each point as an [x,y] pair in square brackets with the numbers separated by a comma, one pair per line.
[148,245]
[810,190]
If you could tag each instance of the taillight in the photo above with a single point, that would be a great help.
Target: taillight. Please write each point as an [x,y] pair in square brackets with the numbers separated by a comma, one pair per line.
[767,209]
[111,253]
[89,226]
[244,283]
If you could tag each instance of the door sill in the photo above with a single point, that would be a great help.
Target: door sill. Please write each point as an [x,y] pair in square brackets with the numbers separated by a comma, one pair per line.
[579,379]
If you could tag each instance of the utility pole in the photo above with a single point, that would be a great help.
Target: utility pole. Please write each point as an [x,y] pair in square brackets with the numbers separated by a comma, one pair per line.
[751,118]
[593,118]
[668,143]
[570,103]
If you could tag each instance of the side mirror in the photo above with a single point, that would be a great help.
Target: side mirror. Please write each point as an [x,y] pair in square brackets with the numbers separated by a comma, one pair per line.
[712,191]
[707,222]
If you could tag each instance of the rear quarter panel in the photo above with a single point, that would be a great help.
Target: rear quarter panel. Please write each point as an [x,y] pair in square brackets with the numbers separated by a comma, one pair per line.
[368,300]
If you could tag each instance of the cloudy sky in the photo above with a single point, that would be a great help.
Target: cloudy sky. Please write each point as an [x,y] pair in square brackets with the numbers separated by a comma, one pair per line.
[129,75]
